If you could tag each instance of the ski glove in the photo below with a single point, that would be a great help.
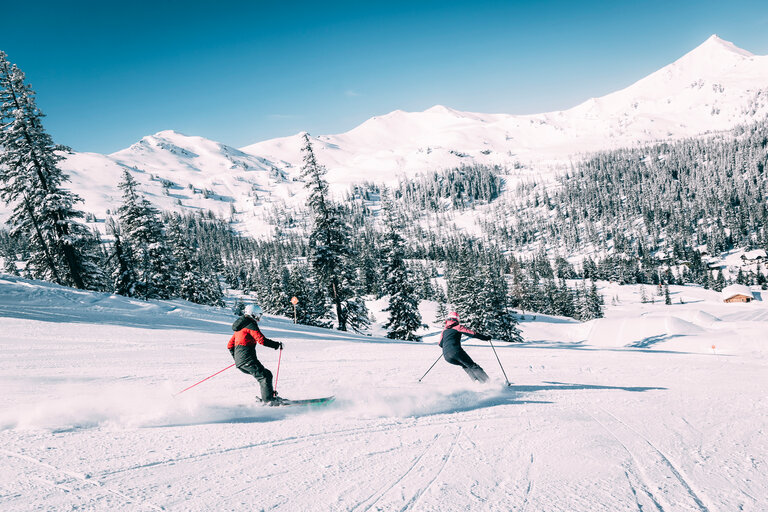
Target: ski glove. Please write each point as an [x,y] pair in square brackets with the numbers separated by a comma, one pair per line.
[279,345]
[483,337]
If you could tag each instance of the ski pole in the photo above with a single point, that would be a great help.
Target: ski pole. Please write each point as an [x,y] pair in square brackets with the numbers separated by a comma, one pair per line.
[277,373]
[430,368]
[499,360]
[205,379]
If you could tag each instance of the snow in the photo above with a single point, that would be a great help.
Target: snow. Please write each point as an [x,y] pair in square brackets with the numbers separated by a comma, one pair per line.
[713,88]
[754,255]
[654,407]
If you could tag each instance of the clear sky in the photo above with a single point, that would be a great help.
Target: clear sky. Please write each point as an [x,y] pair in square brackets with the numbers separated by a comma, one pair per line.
[108,73]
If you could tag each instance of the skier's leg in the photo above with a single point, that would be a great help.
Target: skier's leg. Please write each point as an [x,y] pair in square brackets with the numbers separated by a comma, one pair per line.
[264,377]
[261,374]
[479,374]
[471,373]
[473,369]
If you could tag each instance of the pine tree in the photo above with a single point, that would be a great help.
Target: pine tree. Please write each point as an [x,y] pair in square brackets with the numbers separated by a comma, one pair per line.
[403,307]
[719,281]
[311,308]
[499,320]
[195,283]
[277,301]
[30,179]
[479,292]
[442,308]
[593,303]
[143,233]
[124,281]
[464,288]
[331,254]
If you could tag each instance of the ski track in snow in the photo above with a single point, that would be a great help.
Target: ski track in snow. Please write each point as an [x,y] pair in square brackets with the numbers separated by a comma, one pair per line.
[651,467]
[87,420]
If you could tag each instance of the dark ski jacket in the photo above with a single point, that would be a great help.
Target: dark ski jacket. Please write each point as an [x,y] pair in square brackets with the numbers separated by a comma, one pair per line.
[248,334]
[450,339]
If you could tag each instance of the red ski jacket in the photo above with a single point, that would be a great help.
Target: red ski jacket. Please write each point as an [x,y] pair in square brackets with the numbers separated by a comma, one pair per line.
[247,334]
[245,338]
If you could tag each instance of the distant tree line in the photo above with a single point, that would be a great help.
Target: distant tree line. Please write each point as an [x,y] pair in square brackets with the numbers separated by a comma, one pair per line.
[342,253]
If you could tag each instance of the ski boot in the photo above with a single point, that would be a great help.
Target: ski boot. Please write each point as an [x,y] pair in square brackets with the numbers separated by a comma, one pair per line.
[275,401]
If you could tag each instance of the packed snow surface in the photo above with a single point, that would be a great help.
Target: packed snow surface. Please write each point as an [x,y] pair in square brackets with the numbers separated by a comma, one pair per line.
[652,408]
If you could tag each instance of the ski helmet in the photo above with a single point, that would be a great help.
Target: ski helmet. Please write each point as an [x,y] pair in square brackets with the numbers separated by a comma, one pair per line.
[254,311]
[453,315]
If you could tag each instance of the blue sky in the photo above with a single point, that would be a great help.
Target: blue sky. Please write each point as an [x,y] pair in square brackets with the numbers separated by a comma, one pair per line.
[108,73]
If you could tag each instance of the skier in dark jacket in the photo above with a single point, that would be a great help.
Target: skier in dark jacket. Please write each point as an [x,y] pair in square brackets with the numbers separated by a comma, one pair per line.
[450,341]
[242,346]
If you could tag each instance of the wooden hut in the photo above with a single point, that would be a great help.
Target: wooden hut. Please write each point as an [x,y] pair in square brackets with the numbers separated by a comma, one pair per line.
[737,293]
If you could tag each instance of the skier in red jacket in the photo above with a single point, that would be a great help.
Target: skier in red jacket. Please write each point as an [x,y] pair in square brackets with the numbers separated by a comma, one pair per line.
[450,341]
[242,346]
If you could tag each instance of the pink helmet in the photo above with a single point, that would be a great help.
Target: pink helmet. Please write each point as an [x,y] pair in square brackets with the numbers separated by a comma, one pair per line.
[453,315]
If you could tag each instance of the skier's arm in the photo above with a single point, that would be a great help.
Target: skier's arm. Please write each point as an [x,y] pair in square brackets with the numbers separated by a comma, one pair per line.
[263,340]
[471,333]
[231,346]
[272,344]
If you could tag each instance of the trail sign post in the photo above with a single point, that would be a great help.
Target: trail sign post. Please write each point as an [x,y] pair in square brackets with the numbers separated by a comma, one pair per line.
[294,301]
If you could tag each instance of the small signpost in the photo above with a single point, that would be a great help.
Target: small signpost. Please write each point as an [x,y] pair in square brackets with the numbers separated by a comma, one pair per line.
[294,301]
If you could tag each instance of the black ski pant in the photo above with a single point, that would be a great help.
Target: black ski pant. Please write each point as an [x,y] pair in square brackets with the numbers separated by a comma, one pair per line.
[461,358]
[247,363]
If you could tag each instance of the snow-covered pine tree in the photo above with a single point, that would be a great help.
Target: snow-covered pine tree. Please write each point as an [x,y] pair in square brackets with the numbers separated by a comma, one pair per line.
[719,281]
[143,233]
[403,307]
[30,179]
[442,307]
[194,283]
[311,308]
[591,302]
[278,300]
[498,320]
[464,288]
[124,281]
[331,254]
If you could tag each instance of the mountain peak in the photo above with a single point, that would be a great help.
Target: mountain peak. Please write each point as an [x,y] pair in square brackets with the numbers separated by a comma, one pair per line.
[440,109]
[714,44]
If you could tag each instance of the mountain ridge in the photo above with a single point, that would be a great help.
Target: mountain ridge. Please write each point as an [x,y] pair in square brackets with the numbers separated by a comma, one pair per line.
[712,88]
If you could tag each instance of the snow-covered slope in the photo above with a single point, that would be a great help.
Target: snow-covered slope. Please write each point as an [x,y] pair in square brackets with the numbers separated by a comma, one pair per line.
[712,88]
[656,419]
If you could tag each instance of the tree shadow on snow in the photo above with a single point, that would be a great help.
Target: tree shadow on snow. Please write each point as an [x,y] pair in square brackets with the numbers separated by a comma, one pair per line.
[465,401]
[564,386]
[593,348]
[652,340]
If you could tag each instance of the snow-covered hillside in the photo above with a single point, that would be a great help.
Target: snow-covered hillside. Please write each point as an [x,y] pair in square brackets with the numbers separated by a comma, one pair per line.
[714,87]
[667,415]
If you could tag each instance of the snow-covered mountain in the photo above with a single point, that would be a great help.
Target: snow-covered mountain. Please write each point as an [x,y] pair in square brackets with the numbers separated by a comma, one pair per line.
[712,88]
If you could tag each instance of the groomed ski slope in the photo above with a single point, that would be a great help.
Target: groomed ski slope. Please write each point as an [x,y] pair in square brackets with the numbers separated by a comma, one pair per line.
[633,412]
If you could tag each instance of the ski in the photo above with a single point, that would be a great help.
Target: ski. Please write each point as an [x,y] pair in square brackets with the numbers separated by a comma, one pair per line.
[306,401]
[309,401]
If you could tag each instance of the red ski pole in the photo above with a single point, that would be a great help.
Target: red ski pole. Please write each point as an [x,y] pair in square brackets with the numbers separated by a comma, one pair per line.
[205,379]
[277,373]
